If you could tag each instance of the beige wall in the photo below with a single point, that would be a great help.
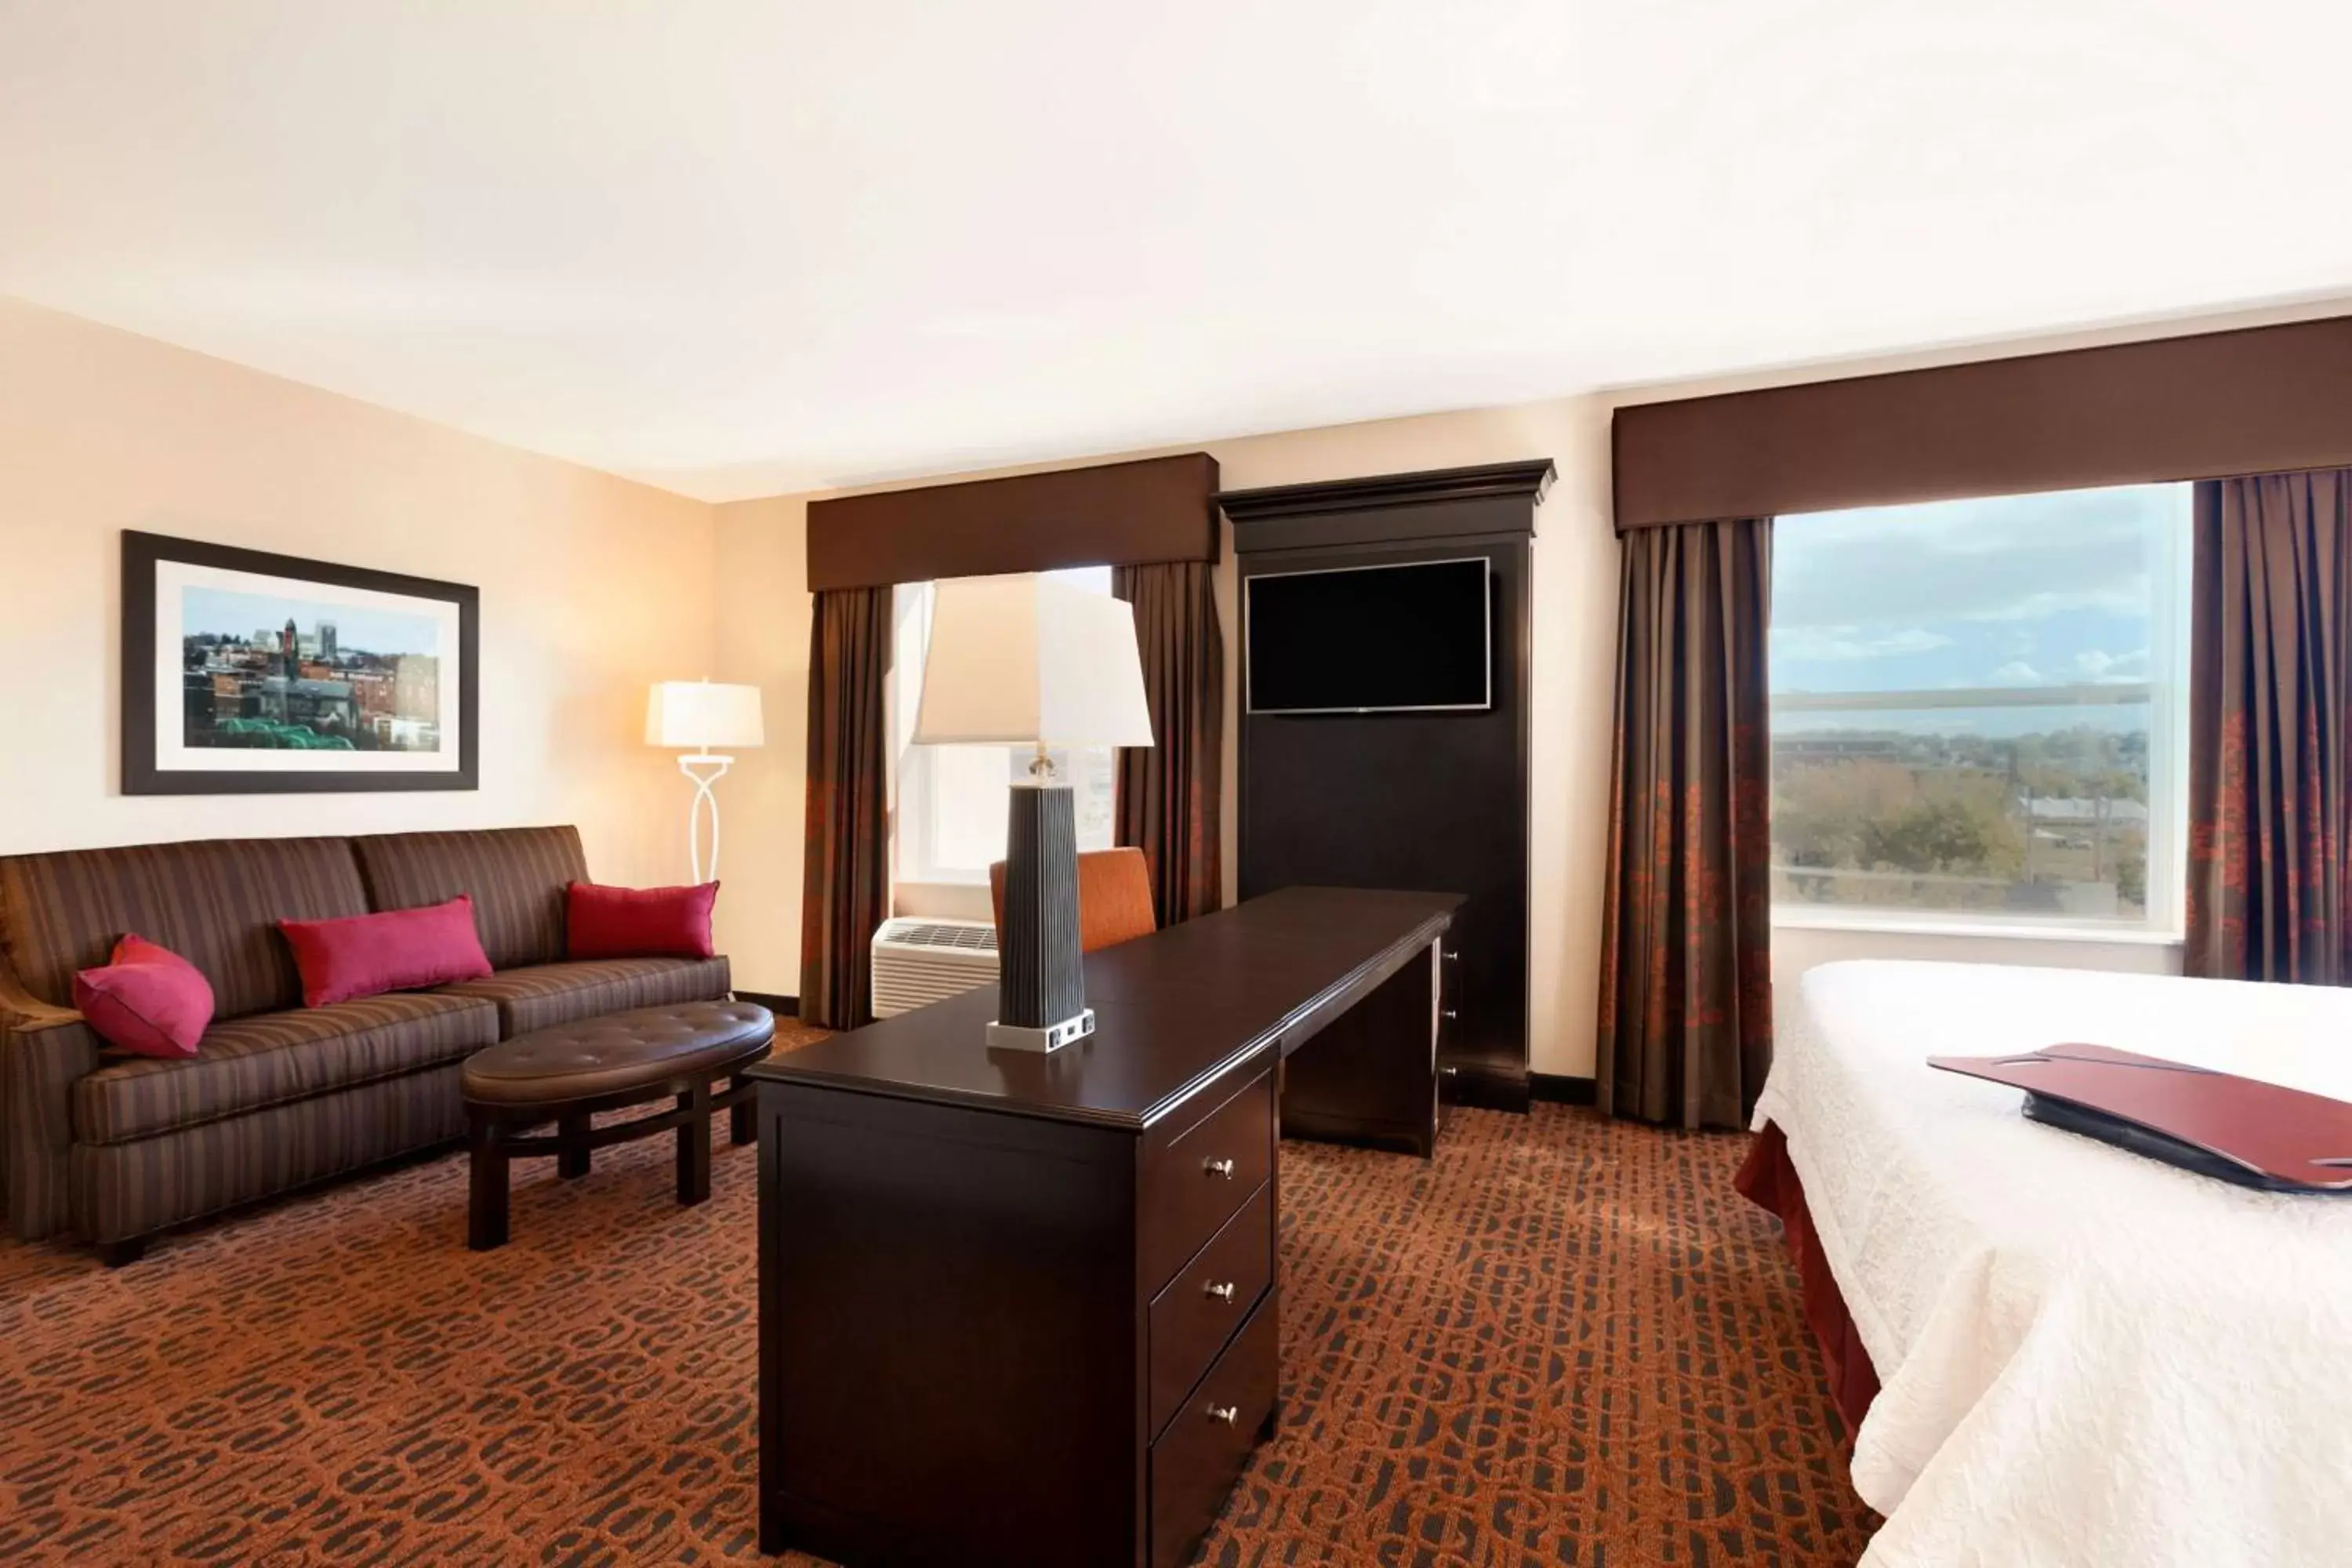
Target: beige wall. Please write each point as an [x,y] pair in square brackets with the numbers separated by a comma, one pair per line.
[763,640]
[591,588]
[763,635]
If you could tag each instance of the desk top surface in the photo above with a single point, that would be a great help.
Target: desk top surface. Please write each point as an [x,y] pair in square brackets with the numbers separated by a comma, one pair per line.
[1172,1010]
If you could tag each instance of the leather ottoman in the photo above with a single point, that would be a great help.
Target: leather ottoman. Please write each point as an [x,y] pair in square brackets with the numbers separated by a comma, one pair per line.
[568,1073]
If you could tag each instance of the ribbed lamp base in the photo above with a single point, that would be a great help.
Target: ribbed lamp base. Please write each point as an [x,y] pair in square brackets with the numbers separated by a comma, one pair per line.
[1041,996]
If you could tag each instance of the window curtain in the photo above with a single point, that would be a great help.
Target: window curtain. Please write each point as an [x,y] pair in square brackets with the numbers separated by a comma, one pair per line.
[2270,674]
[1685,1029]
[846,879]
[1167,796]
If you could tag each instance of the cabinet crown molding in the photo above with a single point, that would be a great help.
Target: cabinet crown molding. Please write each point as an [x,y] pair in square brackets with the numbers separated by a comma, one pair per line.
[1485,482]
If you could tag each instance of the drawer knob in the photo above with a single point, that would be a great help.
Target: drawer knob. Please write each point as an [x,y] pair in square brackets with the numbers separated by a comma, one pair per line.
[1218,1168]
[1453,952]
[1225,1414]
[1451,1012]
[1224,1292]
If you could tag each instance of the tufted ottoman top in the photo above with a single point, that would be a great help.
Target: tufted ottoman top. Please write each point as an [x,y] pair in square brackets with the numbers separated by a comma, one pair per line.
[618,1052]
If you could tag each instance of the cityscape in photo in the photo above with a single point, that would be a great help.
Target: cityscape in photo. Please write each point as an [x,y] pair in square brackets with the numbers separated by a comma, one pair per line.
[266,672]
[1975,740]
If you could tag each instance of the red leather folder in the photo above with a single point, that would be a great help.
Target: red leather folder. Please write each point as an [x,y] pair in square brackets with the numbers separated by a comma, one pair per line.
[2238,1129]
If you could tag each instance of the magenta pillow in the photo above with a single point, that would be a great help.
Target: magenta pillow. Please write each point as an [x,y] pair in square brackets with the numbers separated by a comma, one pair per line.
[147,1000]
[640,923]
[400,950]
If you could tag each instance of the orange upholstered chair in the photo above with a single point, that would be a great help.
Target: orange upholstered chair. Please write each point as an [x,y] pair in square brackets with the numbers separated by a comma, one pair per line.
[1114,898]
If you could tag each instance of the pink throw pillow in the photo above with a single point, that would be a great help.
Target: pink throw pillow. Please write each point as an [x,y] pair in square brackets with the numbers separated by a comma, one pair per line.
[147,1000]
[400,950]
[640,923]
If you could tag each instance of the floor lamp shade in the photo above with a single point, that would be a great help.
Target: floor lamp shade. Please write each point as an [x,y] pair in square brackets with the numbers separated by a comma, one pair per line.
[697,717]
[701,715]
[1024,660]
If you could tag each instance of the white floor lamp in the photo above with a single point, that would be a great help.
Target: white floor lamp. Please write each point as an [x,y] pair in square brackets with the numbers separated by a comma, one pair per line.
[695,716]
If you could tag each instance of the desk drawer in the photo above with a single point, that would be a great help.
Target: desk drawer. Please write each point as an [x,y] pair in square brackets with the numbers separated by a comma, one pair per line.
[1196,1461]
[1196,1184]
[1199,1309]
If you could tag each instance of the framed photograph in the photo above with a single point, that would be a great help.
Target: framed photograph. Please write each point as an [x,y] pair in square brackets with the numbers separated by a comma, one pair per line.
[247,673]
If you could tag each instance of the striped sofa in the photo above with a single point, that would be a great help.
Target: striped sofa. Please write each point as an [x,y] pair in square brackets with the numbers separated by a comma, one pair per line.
[113,1148]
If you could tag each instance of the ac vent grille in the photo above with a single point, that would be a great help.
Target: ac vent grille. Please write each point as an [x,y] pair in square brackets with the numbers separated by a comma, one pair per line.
[919,962]
[969,938]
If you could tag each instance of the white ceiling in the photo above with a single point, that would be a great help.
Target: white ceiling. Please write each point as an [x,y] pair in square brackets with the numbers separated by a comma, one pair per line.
[740,247]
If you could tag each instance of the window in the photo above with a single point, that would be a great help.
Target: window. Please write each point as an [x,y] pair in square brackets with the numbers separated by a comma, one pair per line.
[1977,710]
[950,804]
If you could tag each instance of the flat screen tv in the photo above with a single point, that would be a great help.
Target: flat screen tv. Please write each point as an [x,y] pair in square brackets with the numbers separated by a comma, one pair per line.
[1414,637]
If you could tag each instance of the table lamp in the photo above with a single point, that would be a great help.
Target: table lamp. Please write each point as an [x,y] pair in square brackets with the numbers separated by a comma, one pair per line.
[697,715]
[1027,662]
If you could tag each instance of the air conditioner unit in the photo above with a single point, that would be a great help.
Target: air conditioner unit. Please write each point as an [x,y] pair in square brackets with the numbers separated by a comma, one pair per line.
[918,961]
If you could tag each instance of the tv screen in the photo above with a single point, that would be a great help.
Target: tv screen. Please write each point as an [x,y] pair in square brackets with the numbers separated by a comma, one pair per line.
[1370,639]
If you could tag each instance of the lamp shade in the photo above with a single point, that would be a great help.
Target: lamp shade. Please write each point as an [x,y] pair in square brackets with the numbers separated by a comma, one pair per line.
[698,715]
[1024,660]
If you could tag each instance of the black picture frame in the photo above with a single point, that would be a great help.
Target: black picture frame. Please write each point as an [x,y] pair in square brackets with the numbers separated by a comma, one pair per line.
[144,553]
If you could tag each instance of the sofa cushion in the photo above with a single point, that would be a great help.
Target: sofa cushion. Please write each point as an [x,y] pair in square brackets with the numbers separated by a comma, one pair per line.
[639,922]
[516,877]
[549,993]
[399,950]
[216,902]
[272,1059]
[149,1001]
[121,1190]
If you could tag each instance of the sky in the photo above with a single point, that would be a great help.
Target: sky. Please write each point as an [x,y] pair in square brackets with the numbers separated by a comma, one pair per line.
[2011,591]
[227,613]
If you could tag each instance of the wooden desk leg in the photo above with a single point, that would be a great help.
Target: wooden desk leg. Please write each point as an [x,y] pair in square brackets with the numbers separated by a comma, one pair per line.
[694,1145]
[572,1159]
[485,1203]
[743,1116]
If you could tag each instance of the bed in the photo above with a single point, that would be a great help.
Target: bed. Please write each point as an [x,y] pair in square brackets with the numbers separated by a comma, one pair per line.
[2069,1355]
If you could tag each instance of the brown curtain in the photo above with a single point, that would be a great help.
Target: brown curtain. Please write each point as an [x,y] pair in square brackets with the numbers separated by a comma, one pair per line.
[845,879]
[2269,801]
[1167,796]
[1686,966]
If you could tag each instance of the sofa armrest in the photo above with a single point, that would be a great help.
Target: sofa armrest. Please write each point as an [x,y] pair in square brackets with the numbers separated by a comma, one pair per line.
[20,1008]
[43,1050]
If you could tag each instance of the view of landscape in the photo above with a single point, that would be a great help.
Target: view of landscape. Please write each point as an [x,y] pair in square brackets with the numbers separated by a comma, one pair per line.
[1974,703]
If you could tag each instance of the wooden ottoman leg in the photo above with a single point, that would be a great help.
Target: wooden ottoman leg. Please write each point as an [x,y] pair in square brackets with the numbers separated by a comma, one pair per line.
[486,1207]
[694,1145]
[743,1116]
[571,1158]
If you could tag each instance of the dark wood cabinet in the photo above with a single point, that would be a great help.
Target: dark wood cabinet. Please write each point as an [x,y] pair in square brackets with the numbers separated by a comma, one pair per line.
[1022,1309]
[1429,800]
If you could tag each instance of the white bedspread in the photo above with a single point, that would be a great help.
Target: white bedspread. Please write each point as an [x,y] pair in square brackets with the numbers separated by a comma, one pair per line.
[2086,1357]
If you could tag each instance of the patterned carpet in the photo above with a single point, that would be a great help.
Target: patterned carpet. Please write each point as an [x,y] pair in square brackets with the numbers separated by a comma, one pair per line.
[1564,1341]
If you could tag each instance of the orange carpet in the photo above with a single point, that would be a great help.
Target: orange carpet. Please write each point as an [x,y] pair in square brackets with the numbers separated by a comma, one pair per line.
[1563,1341]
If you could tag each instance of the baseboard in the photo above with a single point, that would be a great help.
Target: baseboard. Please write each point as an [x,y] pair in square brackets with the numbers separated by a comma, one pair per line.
[1560,1089]
[781,1006]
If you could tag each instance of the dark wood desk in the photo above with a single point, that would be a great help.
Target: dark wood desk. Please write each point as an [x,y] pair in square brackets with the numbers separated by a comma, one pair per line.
[1021,1309]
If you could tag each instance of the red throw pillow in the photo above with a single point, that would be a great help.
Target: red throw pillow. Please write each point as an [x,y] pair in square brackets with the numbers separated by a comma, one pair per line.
[640,923]
[400,950]
[147,1000]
